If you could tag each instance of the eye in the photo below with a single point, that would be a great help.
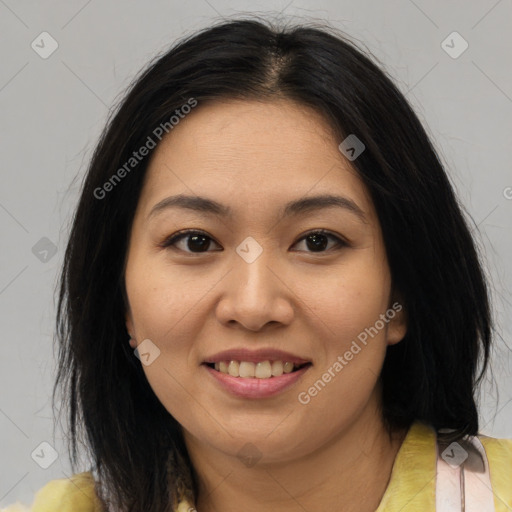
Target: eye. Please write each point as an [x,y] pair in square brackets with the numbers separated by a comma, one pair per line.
[198,241]
[318,240]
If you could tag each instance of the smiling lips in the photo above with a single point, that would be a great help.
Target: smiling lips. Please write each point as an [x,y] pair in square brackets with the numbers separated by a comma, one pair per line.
[259,364]
[256,374]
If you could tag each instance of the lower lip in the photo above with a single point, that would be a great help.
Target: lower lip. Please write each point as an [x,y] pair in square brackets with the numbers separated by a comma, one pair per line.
[256,388]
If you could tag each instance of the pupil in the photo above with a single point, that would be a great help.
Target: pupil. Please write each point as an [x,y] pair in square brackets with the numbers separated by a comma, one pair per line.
[197,242]
[318,241]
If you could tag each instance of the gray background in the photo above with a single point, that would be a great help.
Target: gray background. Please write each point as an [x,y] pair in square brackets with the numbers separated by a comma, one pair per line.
[52,111]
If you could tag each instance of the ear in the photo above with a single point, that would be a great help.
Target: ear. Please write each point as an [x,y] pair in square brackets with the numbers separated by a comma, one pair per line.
[397,314]
[130,329]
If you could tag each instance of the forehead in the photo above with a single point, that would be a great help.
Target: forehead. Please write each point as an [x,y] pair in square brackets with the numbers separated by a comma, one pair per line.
[251,154]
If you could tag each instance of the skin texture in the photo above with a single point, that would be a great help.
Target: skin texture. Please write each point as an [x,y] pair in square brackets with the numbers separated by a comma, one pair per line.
[333,452]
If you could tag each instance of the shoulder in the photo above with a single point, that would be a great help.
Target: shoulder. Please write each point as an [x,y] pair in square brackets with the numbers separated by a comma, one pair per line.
[499,455]
[499,449]
[74,494]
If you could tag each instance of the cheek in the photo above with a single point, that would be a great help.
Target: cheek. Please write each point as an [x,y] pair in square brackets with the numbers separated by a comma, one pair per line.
[166,308]
[163,314]
[349,305]
[163,302]
[349,298]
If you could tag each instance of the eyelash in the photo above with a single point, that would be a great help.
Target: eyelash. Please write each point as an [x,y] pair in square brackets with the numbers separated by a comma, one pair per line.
[180,235]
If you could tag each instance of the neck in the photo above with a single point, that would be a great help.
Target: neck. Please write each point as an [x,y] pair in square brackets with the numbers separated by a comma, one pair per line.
[349,473]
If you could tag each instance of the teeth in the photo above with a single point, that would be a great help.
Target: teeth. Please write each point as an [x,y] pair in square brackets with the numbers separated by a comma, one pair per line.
[247,369]
[234,369]
[288,367]
[261,370]
[277,368]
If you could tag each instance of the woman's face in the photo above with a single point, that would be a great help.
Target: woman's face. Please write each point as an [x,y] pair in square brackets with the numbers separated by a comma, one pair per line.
[253,288]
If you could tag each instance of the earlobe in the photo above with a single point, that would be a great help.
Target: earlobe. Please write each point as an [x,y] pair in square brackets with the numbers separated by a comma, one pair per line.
[130,330]
[397,327]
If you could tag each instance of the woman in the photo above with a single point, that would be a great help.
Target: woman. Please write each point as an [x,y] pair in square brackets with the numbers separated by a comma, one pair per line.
[270,298]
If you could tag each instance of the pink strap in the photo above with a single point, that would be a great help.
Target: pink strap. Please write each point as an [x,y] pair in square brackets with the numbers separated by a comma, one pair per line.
[463,483]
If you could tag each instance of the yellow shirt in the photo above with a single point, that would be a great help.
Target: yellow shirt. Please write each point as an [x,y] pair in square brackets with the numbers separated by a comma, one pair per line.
[411,486]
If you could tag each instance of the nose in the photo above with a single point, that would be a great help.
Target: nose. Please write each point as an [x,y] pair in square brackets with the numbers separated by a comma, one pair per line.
[255,293]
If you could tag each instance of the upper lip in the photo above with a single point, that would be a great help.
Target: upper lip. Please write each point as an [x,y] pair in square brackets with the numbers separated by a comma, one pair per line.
[255,356]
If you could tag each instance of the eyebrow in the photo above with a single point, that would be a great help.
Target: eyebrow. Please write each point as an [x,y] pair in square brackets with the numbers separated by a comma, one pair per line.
[297,207]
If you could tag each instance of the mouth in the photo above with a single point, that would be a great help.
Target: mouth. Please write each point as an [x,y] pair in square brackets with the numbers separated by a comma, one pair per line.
[268,369]
[256,379]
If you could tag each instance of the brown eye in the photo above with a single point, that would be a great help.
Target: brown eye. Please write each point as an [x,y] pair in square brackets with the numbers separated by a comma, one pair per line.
[195,241]
[317,241]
